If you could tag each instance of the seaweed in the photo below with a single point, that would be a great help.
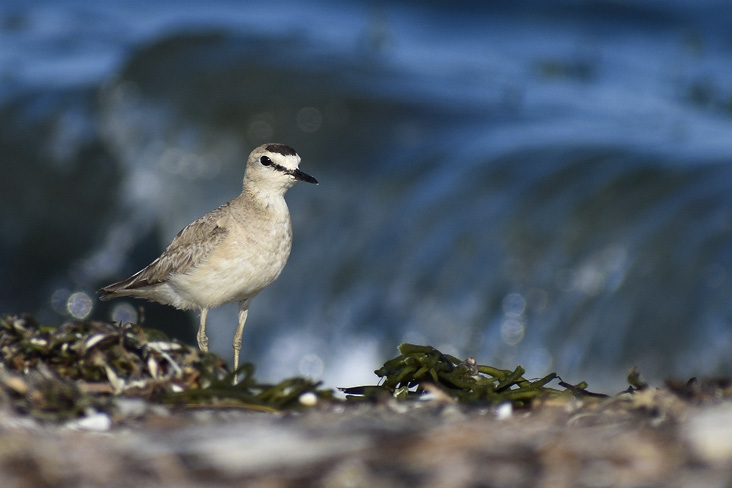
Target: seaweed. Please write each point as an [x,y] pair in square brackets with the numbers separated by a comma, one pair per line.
[84,366]
[421,371]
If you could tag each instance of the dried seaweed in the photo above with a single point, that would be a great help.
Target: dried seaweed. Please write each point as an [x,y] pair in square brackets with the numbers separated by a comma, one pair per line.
[81,367]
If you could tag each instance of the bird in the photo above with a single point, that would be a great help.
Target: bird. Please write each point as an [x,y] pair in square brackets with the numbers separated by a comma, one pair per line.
[230,254]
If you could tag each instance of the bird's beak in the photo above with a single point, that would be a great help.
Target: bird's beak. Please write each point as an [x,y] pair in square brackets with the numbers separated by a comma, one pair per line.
[302,176]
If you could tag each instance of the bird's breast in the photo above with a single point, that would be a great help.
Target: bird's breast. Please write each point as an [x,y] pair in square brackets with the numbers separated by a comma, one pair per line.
[248,260]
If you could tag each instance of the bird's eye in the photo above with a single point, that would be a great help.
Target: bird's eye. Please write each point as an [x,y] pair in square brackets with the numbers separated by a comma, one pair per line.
[265,161]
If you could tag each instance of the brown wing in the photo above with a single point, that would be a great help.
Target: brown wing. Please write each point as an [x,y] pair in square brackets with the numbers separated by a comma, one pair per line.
[189,248]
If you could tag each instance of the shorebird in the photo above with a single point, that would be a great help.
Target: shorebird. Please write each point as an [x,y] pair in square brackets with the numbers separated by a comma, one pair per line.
[230,254]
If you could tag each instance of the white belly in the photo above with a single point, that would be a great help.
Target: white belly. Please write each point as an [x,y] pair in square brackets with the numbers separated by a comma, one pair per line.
[239,268]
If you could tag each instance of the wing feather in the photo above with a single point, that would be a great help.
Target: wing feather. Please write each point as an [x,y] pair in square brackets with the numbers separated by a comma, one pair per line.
[188,249]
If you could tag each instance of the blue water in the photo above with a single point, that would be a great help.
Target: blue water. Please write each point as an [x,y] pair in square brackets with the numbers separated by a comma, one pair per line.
[543,183]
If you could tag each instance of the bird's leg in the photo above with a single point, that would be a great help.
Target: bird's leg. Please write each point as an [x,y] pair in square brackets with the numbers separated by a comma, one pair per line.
[243,312]
[201,336]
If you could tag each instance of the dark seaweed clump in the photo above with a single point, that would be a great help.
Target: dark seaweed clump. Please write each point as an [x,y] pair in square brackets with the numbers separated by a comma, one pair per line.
[421,370]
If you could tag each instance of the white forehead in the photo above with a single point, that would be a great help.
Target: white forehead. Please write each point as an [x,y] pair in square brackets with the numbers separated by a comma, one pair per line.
[289,162]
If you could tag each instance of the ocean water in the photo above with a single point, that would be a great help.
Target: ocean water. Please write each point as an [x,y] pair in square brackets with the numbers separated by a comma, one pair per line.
[536,183]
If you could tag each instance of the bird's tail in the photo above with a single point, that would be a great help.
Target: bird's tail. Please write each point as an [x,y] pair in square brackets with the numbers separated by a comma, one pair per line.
[118,289]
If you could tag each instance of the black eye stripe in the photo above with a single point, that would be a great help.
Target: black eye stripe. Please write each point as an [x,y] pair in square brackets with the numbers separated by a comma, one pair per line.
[268,162]
[281,168]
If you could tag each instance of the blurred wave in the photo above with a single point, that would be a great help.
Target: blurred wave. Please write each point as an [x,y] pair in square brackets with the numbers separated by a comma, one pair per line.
[545,184]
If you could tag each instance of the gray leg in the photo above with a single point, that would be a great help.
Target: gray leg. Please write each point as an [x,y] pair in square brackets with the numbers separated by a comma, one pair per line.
[243,312]
[201,336]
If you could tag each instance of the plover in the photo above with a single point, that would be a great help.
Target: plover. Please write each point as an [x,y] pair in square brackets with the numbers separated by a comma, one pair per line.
[230,254]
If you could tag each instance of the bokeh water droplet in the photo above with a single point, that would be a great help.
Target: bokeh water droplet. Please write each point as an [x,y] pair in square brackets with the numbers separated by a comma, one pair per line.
[79,305]
[124,313]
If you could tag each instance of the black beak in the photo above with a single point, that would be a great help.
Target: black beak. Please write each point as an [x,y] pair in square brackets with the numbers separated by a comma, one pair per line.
[302,176]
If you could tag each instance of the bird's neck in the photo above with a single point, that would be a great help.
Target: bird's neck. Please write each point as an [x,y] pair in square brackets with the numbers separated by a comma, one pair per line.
[272,198]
